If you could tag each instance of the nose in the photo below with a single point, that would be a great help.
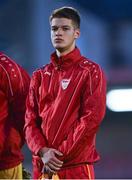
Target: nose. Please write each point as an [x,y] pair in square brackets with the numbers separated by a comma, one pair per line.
[59,31]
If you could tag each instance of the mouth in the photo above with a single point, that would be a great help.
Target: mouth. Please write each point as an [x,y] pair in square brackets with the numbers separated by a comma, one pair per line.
[58,40]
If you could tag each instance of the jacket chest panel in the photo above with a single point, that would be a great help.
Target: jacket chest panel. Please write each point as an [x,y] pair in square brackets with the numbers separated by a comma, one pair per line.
[59,84]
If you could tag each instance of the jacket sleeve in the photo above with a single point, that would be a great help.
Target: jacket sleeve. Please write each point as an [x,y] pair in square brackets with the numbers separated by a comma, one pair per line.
[3,115]
[92,110]
[18,102]
[14,87]
[34,137]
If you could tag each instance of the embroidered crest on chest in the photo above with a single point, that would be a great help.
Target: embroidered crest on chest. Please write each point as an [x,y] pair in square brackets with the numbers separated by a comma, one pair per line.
[65,83]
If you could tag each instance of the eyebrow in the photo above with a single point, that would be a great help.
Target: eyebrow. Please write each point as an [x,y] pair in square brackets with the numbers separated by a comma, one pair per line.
[61,26]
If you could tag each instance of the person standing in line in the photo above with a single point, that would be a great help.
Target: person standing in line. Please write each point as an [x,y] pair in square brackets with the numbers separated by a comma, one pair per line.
[65,106]
[14,86]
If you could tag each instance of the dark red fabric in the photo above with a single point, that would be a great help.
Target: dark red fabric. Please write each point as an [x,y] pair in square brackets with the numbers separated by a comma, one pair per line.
[66,118]
[14,85]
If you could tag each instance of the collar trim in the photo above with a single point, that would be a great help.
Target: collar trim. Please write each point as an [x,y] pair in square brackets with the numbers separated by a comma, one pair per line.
[66,60]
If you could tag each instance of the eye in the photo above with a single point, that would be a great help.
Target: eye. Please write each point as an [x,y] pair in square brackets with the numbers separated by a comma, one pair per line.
[54,28]
[66,28]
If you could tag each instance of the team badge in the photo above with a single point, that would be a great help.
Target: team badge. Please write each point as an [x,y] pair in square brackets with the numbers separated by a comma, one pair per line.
[65,83]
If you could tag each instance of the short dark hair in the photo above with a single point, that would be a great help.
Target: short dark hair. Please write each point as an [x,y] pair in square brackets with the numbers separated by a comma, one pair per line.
[67,12]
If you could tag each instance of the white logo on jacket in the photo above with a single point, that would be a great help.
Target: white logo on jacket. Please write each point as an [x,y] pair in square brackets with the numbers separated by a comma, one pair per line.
[46,72]
[65,83]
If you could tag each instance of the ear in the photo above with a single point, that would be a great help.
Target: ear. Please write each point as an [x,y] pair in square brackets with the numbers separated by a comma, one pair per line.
[77,33]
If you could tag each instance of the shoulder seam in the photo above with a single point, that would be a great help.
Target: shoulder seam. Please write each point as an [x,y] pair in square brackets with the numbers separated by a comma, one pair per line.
[9,80]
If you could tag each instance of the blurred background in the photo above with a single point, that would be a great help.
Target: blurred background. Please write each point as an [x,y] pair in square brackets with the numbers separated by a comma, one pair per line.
[106,38]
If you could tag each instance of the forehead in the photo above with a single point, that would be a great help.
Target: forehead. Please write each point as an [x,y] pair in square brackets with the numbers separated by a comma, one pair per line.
[61,22]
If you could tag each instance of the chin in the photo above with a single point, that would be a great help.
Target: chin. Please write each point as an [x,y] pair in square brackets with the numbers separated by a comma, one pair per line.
[60,48]
[59,45]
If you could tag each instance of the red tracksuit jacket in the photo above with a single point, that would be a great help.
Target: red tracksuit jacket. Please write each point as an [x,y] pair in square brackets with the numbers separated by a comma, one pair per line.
[65,106]
[14,84]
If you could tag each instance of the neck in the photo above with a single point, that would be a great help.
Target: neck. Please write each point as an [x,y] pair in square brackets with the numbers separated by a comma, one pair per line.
[63,52]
